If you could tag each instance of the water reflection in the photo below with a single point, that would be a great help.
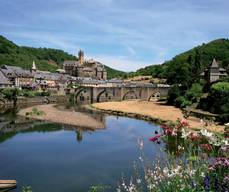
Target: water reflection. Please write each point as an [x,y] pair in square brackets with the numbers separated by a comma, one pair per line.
[10,129]
[46,155]
[11,124]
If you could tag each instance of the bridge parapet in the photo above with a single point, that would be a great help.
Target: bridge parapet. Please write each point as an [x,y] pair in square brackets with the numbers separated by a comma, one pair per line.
[103,92]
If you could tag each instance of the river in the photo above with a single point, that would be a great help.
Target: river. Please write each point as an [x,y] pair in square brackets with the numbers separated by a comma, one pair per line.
[54,157]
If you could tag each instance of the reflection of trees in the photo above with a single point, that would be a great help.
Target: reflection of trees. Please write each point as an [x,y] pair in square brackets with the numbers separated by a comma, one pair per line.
[9,128]
[5,136]
[11,124]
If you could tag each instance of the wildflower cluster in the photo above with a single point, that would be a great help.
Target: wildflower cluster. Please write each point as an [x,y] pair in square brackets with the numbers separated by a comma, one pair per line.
[201,161]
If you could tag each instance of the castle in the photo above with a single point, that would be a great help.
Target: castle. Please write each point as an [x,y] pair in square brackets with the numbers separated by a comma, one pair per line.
[83,68]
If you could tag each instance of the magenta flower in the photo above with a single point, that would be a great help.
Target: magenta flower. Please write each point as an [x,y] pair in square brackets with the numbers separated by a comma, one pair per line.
[155,138]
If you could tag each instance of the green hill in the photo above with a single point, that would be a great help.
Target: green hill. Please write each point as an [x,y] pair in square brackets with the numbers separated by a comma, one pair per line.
[188,65]
[113,73]
[45,58]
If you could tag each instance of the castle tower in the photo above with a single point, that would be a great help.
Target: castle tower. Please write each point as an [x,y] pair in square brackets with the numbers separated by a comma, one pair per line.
[81,57]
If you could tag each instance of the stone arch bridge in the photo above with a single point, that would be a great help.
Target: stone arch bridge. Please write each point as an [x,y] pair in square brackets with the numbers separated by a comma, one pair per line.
[94,94]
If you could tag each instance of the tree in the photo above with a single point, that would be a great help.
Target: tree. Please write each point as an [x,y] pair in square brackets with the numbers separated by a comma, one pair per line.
[11,94]
[219,97]
[194,93]
[173,94]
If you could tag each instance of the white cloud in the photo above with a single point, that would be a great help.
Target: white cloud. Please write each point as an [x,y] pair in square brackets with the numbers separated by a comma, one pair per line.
[121,62]
[125,34]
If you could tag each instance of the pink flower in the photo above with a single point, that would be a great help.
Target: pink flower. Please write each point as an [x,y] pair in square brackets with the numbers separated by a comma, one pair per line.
[184,123]
[207,147]
[155,138]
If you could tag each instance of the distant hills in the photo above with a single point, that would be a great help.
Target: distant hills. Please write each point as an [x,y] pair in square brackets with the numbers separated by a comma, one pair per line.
[46,59]
[188,65]
[183,67]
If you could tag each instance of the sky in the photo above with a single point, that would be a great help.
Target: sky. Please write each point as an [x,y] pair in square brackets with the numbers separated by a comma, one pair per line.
[123,34]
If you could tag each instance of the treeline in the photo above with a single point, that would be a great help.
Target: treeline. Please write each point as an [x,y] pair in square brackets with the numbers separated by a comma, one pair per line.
[113,73]
[46,59]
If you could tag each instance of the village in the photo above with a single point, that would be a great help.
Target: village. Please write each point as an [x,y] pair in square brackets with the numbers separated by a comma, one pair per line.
[114,96]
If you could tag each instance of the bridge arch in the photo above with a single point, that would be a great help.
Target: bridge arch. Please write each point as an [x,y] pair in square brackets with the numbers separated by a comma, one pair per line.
[82,95]
[104,95]
[155,96]
[130,95]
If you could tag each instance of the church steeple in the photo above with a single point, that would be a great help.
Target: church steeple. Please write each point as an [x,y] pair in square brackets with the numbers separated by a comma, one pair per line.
[34,68]
[81,57]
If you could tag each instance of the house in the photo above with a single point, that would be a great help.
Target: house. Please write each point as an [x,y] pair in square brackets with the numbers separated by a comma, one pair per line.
[17,76]
[213,72]
[4,81]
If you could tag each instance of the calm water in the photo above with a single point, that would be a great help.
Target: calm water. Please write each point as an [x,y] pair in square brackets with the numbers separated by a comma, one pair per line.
[51,157]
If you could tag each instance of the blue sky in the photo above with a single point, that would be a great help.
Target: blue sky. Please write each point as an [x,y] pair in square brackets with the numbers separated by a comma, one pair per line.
[124,34]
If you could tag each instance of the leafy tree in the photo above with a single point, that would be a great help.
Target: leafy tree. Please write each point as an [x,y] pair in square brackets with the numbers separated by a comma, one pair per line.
[182,102]
[194,93]
[219,98]
[11,94]
[173,94]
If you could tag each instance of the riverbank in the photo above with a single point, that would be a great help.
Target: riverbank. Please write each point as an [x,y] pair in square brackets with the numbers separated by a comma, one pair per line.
[53,114]
[152,111]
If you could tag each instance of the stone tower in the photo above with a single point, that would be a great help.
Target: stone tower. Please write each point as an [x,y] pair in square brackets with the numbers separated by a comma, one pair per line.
[81,57]
[213,72]
[34,68]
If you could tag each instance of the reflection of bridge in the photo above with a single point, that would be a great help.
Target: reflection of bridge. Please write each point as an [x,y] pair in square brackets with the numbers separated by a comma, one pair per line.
[92,94]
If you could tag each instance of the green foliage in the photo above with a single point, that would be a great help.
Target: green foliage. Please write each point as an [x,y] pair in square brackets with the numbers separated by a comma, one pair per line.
[26,189]
[182,102]
[27,93]
[173,94]
[219,97]
[11,94]
[157,71]
[194,93]
[221,87]
[113,73]
[42,93]
[34,112]
[180,97]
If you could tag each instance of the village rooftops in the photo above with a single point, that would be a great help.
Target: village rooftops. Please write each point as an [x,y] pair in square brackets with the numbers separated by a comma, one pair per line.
[71,63]
[52,76]
[4,80]
[12,71]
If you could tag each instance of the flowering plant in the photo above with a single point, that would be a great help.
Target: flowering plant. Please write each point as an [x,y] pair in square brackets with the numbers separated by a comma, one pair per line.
[201,162]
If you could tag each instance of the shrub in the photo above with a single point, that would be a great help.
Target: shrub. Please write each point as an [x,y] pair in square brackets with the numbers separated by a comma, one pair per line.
[219,97]
[182,102]
[194,93]
[42,93]
[173,94]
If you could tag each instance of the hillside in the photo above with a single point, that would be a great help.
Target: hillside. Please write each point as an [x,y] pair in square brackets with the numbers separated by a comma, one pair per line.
[113,73]
[45,58]
[188,65]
